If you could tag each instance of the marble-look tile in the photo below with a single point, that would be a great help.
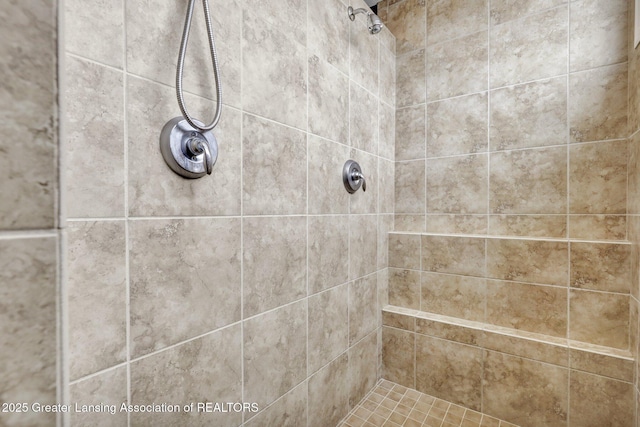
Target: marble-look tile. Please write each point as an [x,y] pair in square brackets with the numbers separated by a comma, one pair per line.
[457,67]
[411,79]
[598,108]
[455,255]
[328,237]
[28,94]
[154,189]
[601,266]
[602,364]
[328,37]
[410,223]
[288,411]
[457,185]
[404,251]
[598,227]
[633,57]
[530,48]
[274,262]
[449,331]
[275,353]
[455,296]
[598,33]
[108,388]
[363,240]
[404,288]
[385,226]
[364,54]
[363,306]
[449,371]
[288,16]
[449,19]
[383,291]
[529,181]
[528,225]
[456,224]
[533,261]
[95,29]
[529,115]
[329,394]
[387,135]
[206,369]
[386,189]
[363,120]
[410,187]
[599,318]
[387,89]
[398,356]
[328,326]
[364,202]
[508,10]
[530,348]
[327,194]
[398,320]
[410,133]
[532,308]
[328,101]
[28,326]
[144,35]
[274,67]
[406,20]
[267,186]
[633,174]
[524,392]
[457,126]
[363,368]
[597,178]
[182,286]
[94,145]
[97,296]
[597,401]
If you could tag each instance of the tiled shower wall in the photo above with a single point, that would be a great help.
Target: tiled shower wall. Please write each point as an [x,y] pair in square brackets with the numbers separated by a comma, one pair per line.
[29,187]
[263,282]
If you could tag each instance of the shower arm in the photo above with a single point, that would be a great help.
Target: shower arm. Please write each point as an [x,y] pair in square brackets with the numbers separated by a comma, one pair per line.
[353,12]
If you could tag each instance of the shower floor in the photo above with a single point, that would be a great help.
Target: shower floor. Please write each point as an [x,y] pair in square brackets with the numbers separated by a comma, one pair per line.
[392,405]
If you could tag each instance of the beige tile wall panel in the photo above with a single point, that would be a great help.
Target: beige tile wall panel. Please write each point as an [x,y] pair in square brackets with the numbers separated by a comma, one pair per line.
[107,388]
[328,326]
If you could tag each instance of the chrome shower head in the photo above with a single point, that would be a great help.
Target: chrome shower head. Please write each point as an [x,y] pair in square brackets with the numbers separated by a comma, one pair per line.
[375,24]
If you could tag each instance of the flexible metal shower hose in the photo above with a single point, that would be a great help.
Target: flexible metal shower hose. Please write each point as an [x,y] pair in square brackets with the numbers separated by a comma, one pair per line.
[180,68]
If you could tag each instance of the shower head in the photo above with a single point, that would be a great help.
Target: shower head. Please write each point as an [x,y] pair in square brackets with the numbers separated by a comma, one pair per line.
[374,23]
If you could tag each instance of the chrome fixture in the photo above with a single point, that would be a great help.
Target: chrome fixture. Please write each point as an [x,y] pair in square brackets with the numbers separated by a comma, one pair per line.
[188,145]
[352,177]
[374,23]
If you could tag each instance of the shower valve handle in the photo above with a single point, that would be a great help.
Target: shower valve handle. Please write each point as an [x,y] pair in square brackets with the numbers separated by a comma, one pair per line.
[198,146]
[357,176]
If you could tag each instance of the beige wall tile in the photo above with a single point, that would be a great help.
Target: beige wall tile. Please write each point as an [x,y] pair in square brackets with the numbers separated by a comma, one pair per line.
[457,224]
[95,30]
[598,108]
[598,33]
[529,181]
[363,307]
[533,261]
[406,20]
[597,178]
[274,262]
[540,309]
[363,364]
[404,251]
[94,121]
[530,48]
[328,37]
[634,73]
[386,194]
[455,296]
[599,318]
[449,19]
[288,411]
[404,288]
[633,175]
[387,77]
[598,401]
[398,356]
[598,227]
[364,55]
[364,202]
[363,239]
[329,394]
[275,353]
[602,364]
[267,187]
[410,133]
[529,115]
[398,320]
[108,388]
[387,123]
[327,194]
[328,101]
[456,255]
[449,371]
[97,296]
[288,16]
[328,326]
[449,331]
[529,348]
[411,223]
[410,79]
[328,239]
[528,225]
[182,286]
[507,10]
[457,126]
[457,67]
[363,120]
[385,226]
[210,365]
[457,185]
[155,190]
[544,400]
[601,266]
[410,187]
[28,326]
